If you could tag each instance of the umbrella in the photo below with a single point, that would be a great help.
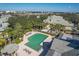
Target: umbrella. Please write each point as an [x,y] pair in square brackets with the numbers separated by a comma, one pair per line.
[9,49]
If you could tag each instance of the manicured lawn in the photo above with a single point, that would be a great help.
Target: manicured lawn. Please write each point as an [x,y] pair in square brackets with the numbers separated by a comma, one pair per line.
[35,41]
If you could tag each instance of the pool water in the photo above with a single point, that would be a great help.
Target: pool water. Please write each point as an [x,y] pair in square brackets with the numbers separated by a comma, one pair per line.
[35,41]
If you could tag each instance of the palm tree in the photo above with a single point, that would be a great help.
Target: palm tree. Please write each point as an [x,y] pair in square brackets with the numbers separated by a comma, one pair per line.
[56,27]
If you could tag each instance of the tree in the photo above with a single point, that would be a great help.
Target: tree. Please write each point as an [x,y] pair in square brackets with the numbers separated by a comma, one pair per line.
[17,30]
[56,27]
[2,42]
[22,24]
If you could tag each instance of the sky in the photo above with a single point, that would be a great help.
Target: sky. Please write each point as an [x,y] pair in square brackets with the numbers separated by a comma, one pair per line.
[54,7]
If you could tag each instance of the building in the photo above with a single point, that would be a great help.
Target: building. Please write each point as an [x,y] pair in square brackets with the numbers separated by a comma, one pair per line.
[3,26]
[57,20]
[3,22]
[65,45]
[61,48]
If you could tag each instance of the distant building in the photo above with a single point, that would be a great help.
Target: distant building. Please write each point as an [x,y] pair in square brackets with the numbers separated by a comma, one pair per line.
[68,28]
[10,11]
[57,20]
[3,22]
[38,17]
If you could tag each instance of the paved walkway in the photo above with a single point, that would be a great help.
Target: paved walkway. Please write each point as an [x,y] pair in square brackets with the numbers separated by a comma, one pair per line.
[27,51]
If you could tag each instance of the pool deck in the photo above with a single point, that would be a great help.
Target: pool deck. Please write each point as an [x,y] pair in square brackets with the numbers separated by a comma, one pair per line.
[27,51]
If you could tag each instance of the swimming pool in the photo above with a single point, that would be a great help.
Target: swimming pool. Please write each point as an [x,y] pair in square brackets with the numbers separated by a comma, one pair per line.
[35,41]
